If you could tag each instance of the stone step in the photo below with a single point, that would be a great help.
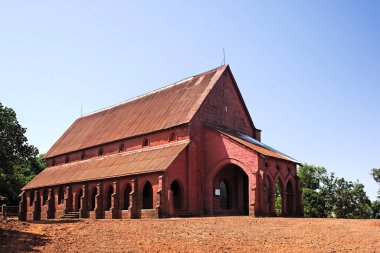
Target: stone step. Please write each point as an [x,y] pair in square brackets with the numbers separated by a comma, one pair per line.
[70,215]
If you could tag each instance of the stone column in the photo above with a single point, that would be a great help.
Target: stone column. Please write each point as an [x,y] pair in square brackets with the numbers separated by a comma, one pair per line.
[51,205]
[83,211]
[115,212]
[284,210]
[251,194]
[99,213]
[22,207]
[133,196]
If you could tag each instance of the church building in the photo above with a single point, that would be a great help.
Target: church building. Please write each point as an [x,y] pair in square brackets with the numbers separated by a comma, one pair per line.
[187,149]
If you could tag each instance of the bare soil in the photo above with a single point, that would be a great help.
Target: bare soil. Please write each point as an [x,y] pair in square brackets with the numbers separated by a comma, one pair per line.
[211,234]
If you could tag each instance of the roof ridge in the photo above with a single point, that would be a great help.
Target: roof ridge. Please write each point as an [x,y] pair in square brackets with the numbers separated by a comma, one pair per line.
[151,92]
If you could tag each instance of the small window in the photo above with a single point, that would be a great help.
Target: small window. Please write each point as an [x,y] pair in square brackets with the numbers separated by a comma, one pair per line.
[121,147]
[83,156]
[67,159]
[31,198]
[100,152]
[278,168]
[173,137]
[145,143]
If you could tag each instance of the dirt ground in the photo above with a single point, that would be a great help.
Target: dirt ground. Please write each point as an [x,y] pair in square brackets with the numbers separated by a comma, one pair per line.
[212,234]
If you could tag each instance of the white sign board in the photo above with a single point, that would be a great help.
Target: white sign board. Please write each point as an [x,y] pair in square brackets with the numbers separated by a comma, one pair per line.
[217,192]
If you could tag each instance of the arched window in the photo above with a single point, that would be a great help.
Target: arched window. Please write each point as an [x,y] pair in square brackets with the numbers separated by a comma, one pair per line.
[121,147]
[79,203]
[145,143]
[173,137]
[31,197]
[109,197]
[61,196]
[278,198]
[147,196]
[93,198]
[224,196]
[45,196]
[100,152]
[127,191]
[277,167]
[177,194]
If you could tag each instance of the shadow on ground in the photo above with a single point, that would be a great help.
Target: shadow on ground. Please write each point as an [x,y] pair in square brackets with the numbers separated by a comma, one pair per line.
[17,241]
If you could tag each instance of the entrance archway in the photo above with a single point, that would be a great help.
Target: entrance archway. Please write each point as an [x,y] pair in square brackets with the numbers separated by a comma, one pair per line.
[230,191]
[177,194]
[147,196]
[79,203]
[109,197]
[289,199]
[93,198]
[127,191]
[278,198]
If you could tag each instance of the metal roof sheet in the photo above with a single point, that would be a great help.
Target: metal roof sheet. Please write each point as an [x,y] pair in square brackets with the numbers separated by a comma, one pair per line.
[164,108]
[128,163]
[255,145]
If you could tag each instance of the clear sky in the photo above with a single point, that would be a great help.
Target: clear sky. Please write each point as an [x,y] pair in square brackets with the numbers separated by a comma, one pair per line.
[309,71]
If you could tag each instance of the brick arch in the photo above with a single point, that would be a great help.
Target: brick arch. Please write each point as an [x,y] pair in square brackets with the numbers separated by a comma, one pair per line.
[215,170]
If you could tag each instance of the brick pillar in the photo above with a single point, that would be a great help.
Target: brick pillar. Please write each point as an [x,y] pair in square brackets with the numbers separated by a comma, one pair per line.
[99,213]
[22,207]
[68,202]
[83,211]
[159,206]
[36,206]
[115,212]
[272,205]
[50,205]
[251,194]
[133,196]
[298,197]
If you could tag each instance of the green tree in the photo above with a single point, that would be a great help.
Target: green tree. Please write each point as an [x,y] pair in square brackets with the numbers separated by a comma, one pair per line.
[18,160]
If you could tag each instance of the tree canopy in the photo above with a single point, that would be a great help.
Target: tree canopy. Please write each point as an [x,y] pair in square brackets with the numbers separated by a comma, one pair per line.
[324,195]
[19,161]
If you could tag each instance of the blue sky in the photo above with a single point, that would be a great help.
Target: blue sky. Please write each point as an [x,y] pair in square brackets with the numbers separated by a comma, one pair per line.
[309,71]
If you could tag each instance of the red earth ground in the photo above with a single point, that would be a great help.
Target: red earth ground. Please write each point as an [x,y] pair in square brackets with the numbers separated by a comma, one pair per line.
[211,234]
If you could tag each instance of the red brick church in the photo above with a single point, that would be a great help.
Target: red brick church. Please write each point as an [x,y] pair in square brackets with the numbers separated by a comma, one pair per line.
[187,149]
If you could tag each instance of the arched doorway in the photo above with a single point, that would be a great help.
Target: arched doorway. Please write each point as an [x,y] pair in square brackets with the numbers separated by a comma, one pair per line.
[127,191]
[177,194]
[93,198]
[278,198]
[61,196]
[147,196]
[109,197]
[224,201]
[268,192]
[79,203]
[230,191]
[289,199]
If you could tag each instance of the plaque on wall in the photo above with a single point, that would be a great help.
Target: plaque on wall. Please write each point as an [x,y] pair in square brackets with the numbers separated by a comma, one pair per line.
[217,192]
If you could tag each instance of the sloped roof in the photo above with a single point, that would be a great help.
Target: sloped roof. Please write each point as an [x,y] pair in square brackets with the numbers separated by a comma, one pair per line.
[128,163]
[164,108]
[255,145]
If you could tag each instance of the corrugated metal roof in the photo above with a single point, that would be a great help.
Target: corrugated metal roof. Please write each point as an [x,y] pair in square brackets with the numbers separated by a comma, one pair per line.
[167,107]
[135,162]
[255,145]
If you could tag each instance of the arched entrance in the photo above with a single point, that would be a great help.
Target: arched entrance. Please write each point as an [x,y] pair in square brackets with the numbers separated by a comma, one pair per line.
[289,199]
[79,203]
[147,196]
[127,191]
[109,197]
[278,198]
[230,191]
[177,194]
[93,198]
